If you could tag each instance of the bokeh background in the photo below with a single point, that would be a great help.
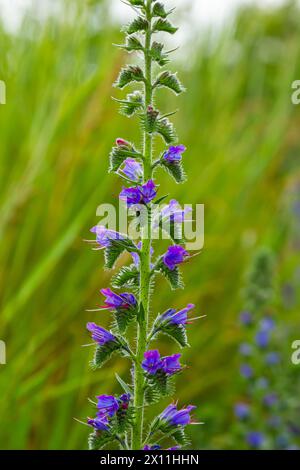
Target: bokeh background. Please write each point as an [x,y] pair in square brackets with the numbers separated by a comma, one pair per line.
[56,131]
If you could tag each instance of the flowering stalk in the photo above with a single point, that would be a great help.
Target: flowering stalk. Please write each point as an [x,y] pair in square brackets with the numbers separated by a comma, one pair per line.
[121,419]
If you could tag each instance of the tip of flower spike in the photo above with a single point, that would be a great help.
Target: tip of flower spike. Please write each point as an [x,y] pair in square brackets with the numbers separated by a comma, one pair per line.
[122,142]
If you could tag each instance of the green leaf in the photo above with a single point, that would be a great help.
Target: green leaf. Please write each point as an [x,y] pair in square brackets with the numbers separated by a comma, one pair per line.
[180,437]
[173,276]
[132,44]
[166,130]
[119,154]
[124,385]
[162,384]
[158,55]
[115,249]
[137,25]
[159,10]
[124,419]
[99,439]
[127,277]
[176,332]
[134,102]
[137,3]
[129,74]
[124,318]
[169,80]
[103,353]
[151,395]
[164,25]
[175,169]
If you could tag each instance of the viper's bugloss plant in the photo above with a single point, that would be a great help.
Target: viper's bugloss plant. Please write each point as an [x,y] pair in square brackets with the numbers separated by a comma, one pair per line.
[122,419]
[265,416]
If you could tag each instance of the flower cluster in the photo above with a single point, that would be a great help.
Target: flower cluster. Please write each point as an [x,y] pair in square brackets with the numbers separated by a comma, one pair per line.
[121,418]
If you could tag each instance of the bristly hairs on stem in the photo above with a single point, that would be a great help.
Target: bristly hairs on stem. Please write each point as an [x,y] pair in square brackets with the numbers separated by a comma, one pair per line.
[121,419]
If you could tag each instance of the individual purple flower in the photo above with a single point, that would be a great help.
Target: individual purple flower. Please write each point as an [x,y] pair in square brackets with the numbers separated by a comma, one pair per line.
[139,194]
[272,359]
[104,235]
[267,324]
[99,334]
[246,371]
[154,447]
[124,400]
[255,439]
[171,213]
[133,170]
[270,400]
[172,317]
[245,349]
[246,318]
[262,383]
[171,364]
[107,404]
[100,423]
[274,422]
[175,255]
[115,302]
[173,417]
[174,448]
[242,411]
[152,362]
[174,154]
[262,338]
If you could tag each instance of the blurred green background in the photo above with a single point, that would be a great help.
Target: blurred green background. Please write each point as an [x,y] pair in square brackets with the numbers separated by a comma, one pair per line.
[56,131]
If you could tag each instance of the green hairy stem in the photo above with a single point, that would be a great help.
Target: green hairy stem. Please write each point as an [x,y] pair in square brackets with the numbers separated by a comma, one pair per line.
[137,435]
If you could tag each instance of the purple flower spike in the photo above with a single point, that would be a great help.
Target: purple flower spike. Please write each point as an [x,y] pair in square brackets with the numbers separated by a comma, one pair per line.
[171,317]
[242,411]
[255,439]
[174,154]
[104,235]
[175,255]
[100,423]
[171,364]
[152,362]
[107,404]
[118,301]
[99,334]
[133,170]
[173,417]
[139,194]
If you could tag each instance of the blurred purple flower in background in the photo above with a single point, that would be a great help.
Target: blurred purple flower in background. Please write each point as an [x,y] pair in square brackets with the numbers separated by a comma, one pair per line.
[246,318]
[242,411]
[255,439]
[246,371]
